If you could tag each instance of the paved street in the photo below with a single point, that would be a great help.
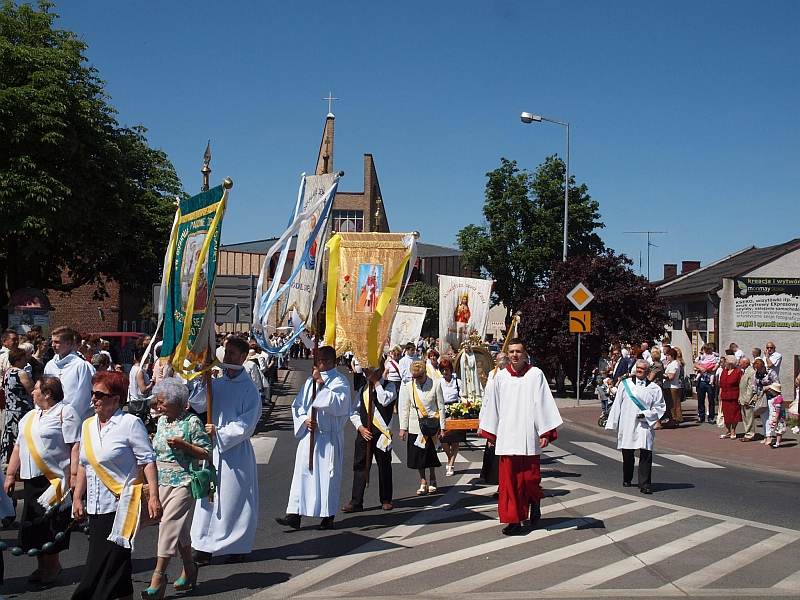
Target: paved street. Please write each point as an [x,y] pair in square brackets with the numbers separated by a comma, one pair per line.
[711,529]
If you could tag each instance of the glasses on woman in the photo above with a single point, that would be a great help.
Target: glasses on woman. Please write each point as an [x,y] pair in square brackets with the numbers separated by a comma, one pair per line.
[101,395]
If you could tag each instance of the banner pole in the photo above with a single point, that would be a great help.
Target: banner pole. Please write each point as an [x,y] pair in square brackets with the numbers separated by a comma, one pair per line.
[578,374]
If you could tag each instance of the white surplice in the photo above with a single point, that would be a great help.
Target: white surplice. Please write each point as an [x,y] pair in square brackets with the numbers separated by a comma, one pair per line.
[635,433]
[316,493]
[518,410]
[75,375]
[228,525]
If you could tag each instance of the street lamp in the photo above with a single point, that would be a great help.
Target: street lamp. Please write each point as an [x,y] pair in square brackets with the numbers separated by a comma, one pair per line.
[528,118]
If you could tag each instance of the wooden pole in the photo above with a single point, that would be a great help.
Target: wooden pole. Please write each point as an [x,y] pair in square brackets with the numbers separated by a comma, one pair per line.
[312,439]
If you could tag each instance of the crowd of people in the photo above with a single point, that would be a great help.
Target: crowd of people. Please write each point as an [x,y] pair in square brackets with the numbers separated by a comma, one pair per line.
[731,388]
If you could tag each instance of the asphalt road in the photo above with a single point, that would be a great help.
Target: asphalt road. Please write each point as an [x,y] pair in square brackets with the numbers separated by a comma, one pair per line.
[709,530]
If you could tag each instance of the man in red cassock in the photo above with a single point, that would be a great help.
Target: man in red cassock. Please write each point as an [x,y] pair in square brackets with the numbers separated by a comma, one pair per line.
[520,416]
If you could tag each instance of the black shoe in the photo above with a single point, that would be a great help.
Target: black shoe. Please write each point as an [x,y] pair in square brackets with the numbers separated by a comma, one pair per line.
[351,507]
[513,529]
[626,484]
[326,523]
[202,559]
[292,521]
[536,514]
[646,489]
[711,420]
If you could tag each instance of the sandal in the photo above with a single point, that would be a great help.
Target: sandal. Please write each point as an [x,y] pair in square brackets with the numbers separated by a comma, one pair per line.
[423,489]
[724,436]
[432,489]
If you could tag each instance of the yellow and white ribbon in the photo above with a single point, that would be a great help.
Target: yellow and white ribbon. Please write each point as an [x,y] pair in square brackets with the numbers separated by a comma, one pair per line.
[421,440]
[385,441]
[52,470]
[127,487]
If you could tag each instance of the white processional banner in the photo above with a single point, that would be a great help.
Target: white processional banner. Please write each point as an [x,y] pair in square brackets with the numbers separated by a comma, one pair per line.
[464,304]
[302,293]
[407,324]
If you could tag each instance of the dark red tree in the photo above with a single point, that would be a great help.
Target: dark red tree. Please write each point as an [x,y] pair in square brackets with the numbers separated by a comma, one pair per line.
[626,308]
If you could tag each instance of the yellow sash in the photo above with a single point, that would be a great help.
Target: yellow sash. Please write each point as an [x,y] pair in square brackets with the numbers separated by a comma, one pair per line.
[126,487]
[55,493]
[422,412]
[386,436]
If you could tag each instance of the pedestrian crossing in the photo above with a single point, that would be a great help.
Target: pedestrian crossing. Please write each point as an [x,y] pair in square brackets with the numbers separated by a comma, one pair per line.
[590,542]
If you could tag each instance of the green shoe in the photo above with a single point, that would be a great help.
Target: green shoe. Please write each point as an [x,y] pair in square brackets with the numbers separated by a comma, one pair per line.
[150,593]
[185,584]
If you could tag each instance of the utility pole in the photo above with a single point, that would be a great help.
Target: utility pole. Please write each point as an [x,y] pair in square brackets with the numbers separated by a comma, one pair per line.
[649,243]
[206,170]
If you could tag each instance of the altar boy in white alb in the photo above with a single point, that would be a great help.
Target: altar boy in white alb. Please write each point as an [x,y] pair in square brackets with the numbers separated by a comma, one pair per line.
[315,492]
[520,416]
[637,408]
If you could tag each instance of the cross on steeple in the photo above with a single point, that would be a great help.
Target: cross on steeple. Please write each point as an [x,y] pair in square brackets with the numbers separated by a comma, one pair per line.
[330,100]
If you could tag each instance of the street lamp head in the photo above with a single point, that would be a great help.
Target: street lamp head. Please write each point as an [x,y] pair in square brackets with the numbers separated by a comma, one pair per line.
[527,117]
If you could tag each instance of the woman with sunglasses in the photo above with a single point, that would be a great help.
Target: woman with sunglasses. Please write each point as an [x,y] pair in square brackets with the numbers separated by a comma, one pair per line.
[116,458]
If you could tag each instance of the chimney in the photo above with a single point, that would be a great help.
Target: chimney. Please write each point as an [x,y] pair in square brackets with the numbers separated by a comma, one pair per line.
[687,266]
[670,270]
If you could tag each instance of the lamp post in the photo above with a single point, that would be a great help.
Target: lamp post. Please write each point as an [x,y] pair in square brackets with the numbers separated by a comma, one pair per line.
[527,118]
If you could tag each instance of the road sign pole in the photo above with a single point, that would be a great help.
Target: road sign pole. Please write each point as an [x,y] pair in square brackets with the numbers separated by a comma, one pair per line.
[578,374]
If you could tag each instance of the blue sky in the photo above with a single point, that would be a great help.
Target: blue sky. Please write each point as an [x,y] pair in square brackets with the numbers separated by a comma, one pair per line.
[684,114]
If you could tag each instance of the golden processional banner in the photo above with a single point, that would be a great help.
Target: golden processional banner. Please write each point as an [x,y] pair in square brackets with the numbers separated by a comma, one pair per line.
[366,272]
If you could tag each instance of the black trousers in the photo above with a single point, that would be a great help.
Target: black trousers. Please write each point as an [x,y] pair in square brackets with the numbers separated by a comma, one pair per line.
[645,465]
[384,462]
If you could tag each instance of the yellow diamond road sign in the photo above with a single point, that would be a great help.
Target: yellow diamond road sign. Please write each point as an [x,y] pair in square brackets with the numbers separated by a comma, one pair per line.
[580,296]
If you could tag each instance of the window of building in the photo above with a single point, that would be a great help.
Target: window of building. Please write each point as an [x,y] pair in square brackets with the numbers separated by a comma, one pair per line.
[348,221]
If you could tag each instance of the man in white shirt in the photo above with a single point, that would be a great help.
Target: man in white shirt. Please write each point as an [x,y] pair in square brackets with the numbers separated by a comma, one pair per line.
[10,341]
[646,353]
[74,373]
[405,362]
[637,409]
[520,416]
[773,359]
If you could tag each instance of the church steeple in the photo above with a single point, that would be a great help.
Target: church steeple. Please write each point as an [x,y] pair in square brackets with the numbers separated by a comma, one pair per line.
[325,156]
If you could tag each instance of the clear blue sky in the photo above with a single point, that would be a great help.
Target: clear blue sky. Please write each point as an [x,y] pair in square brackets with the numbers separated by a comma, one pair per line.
[684,114]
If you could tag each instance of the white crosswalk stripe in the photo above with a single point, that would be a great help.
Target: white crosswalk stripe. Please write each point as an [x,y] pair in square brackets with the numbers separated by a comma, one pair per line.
[565,457]
[591,533]
[263,446]
[611,453]
[690,461]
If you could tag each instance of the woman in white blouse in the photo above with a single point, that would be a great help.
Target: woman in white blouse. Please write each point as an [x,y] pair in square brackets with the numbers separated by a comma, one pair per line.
[421,398]
[451,390]
[115,453]
[46,449]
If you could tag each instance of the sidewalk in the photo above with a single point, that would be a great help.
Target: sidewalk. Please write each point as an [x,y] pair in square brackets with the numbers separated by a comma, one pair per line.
[694,439]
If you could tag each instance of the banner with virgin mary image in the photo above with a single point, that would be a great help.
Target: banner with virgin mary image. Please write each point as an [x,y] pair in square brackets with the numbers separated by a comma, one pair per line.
[366,274]
[464,304]
[190,269]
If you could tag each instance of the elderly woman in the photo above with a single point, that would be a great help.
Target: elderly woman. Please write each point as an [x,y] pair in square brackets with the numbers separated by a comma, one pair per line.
[45,452]
[180,442]
[115,457]
[422,403]
[729,396]
[451,390]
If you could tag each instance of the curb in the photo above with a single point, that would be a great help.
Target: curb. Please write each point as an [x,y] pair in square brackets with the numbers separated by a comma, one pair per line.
[749,466]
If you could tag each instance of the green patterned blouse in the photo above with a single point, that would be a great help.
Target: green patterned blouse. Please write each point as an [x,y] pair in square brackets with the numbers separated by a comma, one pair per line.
[195,434]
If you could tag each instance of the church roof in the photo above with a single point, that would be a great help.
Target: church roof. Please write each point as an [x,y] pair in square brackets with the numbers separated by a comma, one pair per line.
[709,278]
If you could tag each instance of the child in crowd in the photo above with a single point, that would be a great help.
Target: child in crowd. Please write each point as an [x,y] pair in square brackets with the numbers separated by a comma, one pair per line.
[776,424]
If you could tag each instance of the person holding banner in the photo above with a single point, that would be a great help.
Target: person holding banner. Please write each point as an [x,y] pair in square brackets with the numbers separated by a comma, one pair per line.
[323,408]
[422,416]
[115,459]
[373,439]
[227,525]
[520,416]
[45,457]
[639,405]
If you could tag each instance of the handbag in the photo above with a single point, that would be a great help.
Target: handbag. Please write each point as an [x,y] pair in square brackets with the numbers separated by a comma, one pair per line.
[428,426]
[203,480]
[761,404]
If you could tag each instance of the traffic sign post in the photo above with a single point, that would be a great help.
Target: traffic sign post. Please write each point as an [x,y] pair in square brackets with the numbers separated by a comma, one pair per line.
[580,321]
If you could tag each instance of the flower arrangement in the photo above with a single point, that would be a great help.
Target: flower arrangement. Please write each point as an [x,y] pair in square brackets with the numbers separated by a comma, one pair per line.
[463,410]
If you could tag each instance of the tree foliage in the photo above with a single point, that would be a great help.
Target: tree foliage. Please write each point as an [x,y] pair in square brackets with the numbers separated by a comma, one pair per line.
[523,233]
[82,199]
[421,294]
[626,308]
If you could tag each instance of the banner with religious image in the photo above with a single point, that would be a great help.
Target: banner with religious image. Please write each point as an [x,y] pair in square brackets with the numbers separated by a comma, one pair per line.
[407,325]
[464,304]
[296,298]
[366,274]
[187,288]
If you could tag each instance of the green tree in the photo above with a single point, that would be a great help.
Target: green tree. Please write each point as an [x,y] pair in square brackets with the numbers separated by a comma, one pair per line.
[523,231]
[626,308]
[82,199]
[420,294]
